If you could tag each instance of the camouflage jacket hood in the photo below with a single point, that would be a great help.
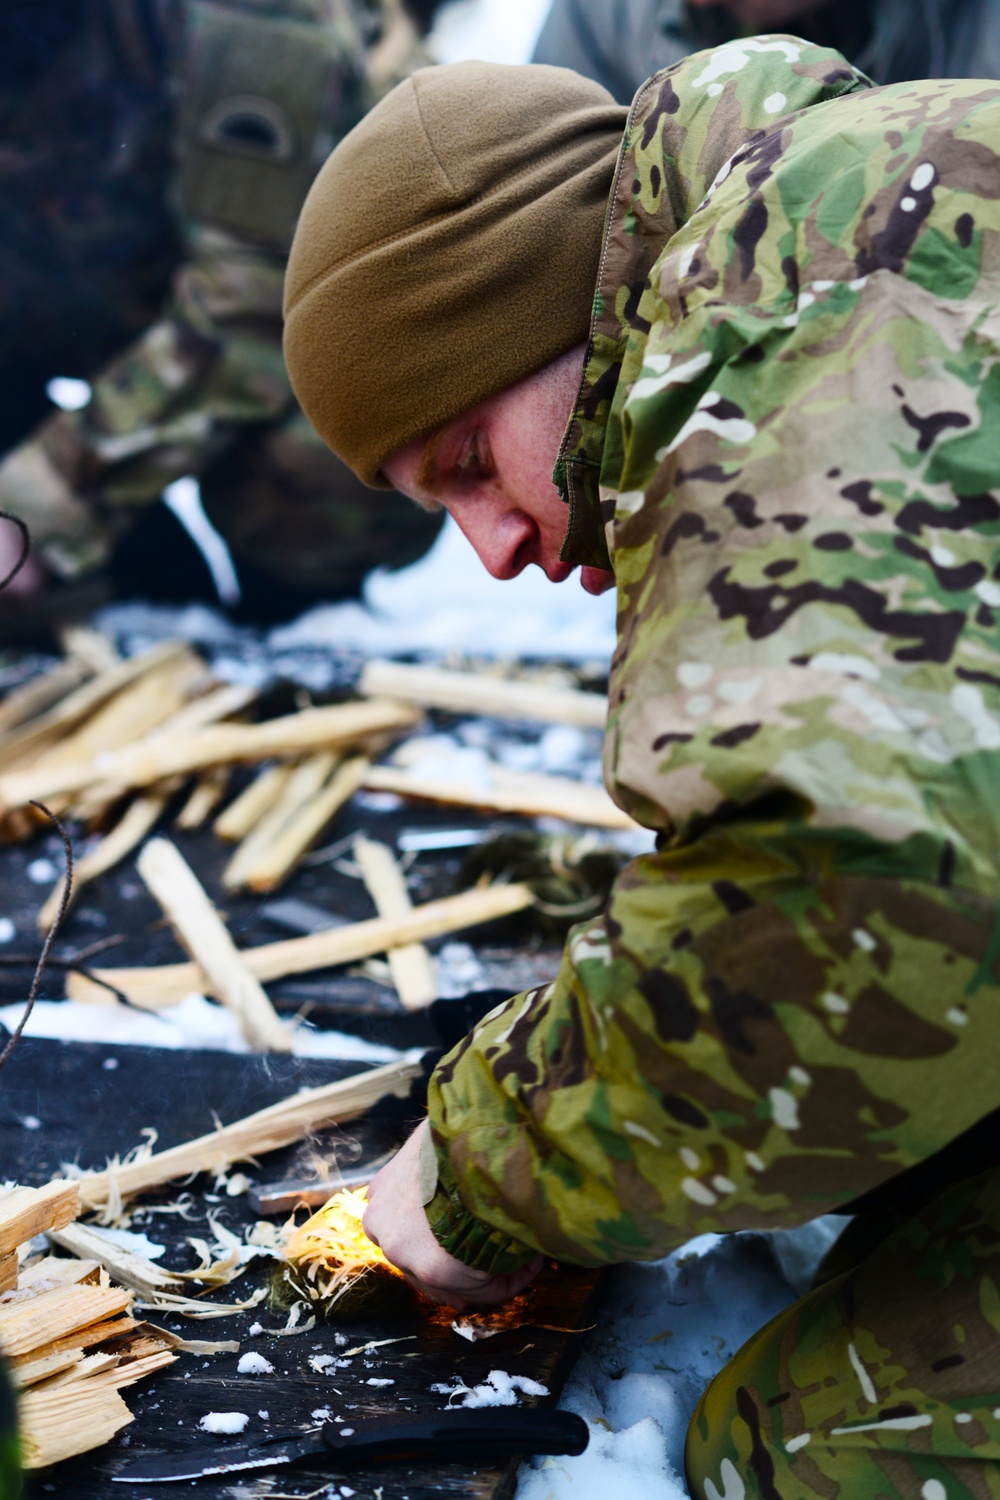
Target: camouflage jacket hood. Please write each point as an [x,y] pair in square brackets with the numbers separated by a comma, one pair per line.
[783,443]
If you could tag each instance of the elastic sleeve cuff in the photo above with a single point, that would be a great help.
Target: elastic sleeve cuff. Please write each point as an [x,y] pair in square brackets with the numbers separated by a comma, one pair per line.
[470,1240]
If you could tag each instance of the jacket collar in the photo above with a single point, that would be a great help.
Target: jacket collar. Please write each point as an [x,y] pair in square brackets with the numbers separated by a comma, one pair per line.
[641,218]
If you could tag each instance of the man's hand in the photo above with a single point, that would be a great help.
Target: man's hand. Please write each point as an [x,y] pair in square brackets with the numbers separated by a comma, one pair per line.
[396,1221]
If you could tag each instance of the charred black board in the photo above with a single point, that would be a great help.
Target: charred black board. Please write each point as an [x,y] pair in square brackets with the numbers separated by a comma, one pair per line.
[62,1101]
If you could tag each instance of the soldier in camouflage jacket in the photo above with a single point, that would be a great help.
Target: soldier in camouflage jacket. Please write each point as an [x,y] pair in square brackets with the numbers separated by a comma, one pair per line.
[784,448]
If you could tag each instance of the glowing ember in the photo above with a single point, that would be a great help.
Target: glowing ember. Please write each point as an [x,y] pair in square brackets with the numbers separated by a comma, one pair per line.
[331,1253]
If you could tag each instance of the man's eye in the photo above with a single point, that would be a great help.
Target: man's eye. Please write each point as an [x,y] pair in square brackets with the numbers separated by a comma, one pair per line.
[472,464]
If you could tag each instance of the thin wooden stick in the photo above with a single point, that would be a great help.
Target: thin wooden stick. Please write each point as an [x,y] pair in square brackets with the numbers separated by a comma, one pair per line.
[303,784]
[170,755]
[475,693]
[200,929]
[273,864]
[268,1130]
[94,650]
[73,709]
[523,792]
[158,988]
[25,703]
[210,708]
[206,794]
[411,966]
[246,810]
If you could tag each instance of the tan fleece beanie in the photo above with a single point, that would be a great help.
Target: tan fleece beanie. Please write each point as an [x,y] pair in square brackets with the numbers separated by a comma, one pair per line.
[448,249]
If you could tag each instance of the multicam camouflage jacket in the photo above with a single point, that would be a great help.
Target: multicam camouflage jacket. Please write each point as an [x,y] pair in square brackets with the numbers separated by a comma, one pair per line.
[788,428]
[264,89]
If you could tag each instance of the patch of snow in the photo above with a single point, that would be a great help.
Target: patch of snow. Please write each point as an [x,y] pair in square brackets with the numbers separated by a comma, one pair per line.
[265,1416]
[254,1364]
[195,1022]
[224,1421]
[448,597]
[41,871]
[255,1330]
[8,932]
[664,1331]
[498,1389]
[459,970]
[139,1244]
[376,1381]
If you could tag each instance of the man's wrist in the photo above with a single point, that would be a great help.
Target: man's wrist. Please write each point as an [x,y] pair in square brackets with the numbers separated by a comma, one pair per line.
[470,1240]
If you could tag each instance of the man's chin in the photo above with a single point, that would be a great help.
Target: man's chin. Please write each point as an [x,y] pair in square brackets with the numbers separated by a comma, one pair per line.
[596,580]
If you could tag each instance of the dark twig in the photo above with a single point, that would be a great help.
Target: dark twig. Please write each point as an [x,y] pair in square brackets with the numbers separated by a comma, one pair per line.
[22,527]
[53,930]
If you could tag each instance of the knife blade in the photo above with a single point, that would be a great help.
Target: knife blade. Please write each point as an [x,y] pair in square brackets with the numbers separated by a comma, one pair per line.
[448,1437]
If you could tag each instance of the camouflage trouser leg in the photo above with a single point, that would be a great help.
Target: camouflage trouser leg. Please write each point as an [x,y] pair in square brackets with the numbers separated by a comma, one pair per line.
[883,1384]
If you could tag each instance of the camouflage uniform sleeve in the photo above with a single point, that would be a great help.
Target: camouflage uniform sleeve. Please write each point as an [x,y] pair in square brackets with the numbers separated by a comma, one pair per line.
[741,1042]
[166,407]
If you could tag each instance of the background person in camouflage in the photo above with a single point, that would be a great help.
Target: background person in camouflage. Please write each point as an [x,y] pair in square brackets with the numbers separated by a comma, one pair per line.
[783,454]
[263,89]
[620,42]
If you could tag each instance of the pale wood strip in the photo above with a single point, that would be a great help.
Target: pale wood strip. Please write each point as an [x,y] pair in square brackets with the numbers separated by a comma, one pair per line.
[157,988]
[170,755]
[200,930]
[275,863]
[512,792]
[475,693]
[267,1130]
[246,810]
[410,965]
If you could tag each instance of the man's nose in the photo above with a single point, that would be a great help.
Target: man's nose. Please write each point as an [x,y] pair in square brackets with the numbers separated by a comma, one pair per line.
[496,537]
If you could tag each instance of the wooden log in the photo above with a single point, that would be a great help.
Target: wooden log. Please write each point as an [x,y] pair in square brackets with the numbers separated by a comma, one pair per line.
[153,760]
[25,703]
[74,708]
[200,930]
[139,819]
[267,1130]
[29,1320]
[160,987]
[27,1211]
[8,1271]
[475,693]
[82,1338]
[410,965]
[246,810]
[59,1423]
[208,791]
[523,792]
[274,863]
[305,781]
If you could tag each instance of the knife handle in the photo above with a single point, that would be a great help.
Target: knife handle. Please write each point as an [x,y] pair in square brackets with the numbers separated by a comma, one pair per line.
[453,1436]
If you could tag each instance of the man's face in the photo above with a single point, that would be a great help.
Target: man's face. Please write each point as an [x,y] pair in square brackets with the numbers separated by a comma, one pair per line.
[491,469]
[763,15]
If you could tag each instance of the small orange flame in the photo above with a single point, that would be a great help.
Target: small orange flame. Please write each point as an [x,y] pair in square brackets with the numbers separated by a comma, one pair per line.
[330,1251]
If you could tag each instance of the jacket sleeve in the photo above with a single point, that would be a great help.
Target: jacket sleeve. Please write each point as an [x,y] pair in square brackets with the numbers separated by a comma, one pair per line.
[740,1042]
[166,407]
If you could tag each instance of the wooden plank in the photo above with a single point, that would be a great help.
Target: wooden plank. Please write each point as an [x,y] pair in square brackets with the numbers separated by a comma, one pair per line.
[200,930]
[152,760]
[477,693]
[156,988]
[55,1314]
[410,964]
